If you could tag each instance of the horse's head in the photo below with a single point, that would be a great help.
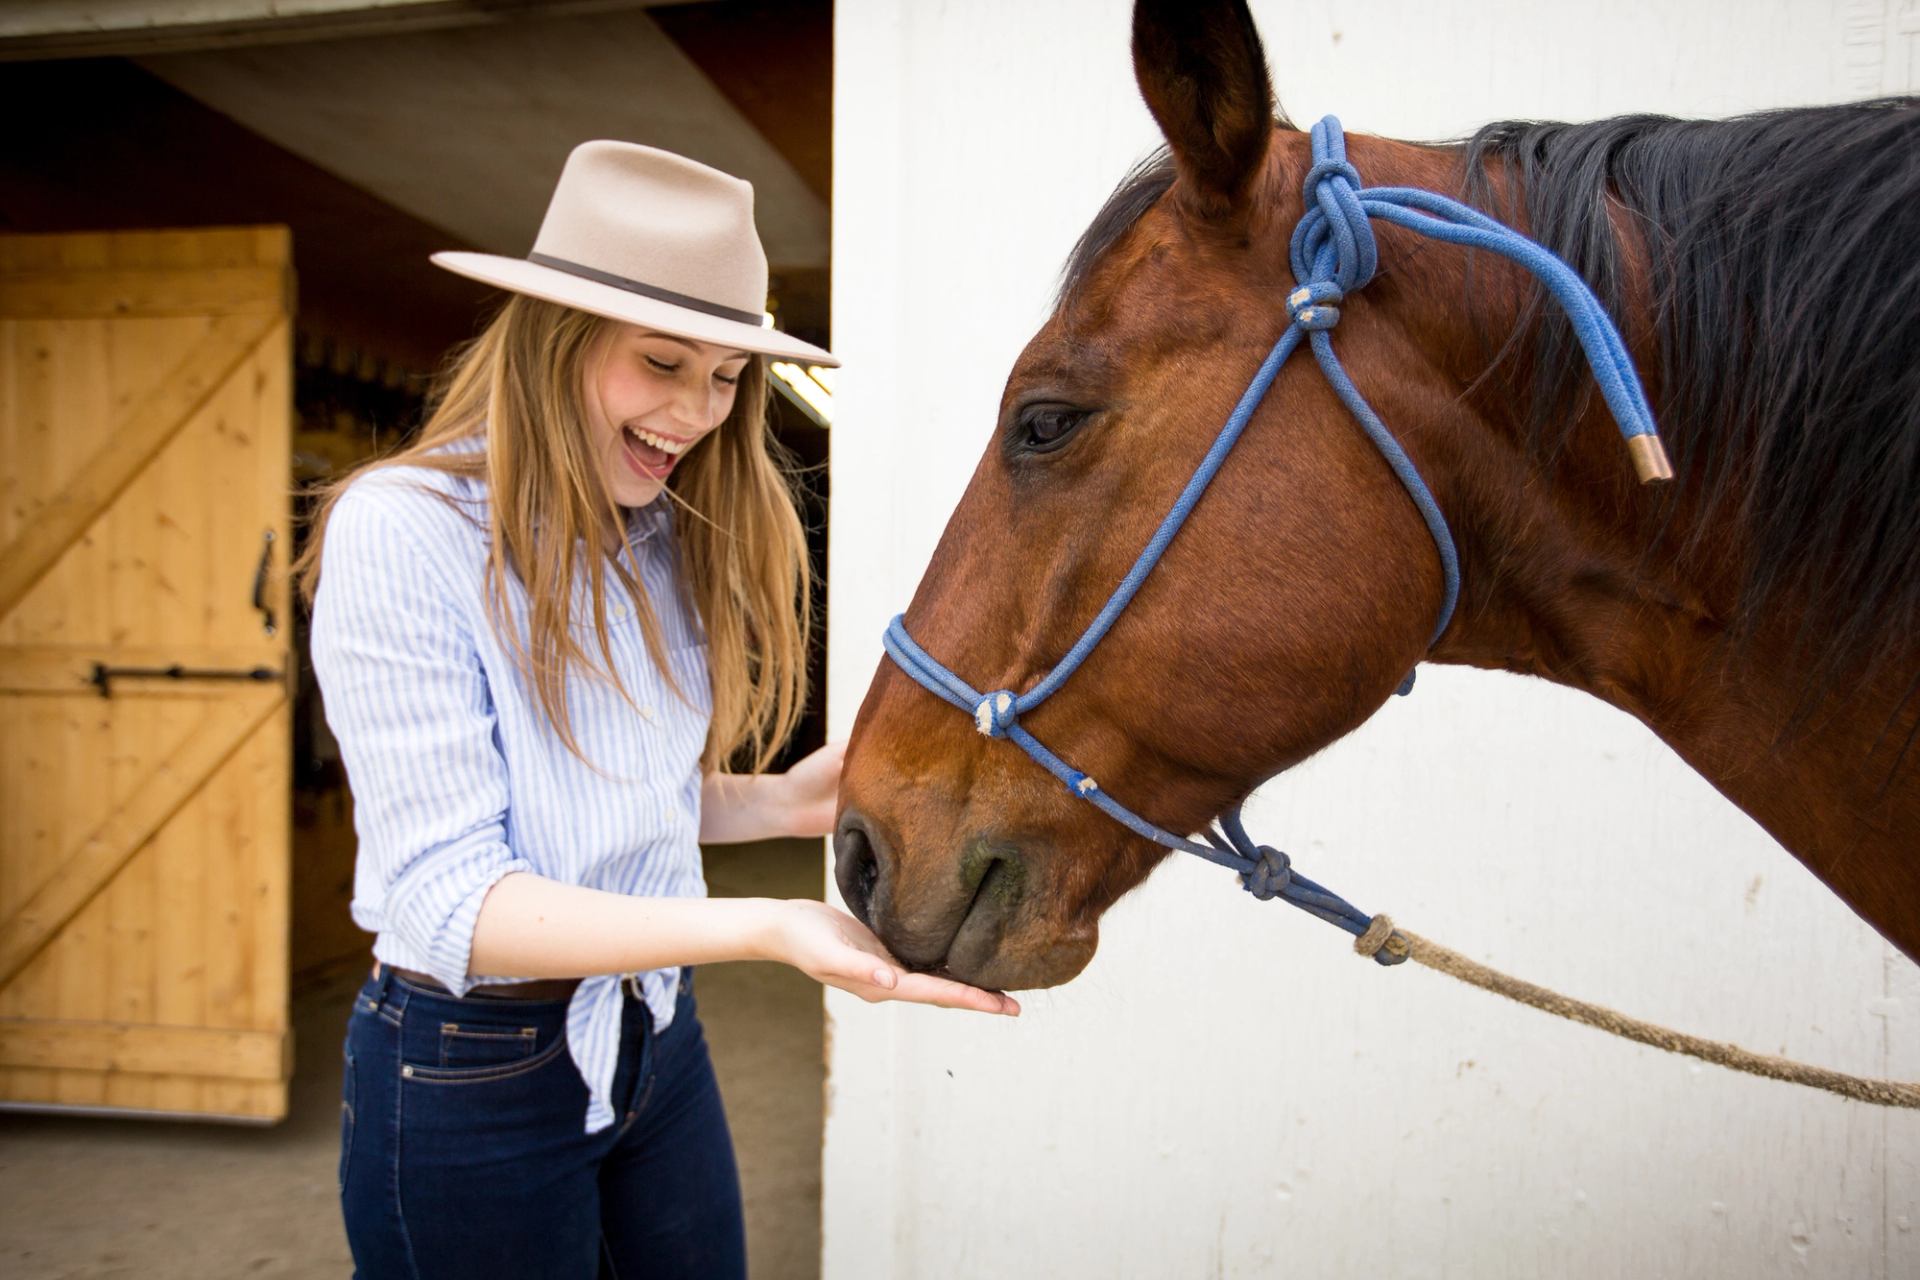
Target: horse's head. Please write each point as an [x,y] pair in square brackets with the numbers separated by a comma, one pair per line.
[1296,598]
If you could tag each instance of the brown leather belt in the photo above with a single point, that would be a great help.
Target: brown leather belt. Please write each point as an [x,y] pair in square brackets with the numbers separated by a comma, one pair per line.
[539,989]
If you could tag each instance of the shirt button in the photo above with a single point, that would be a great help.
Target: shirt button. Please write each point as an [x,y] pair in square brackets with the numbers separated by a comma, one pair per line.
[649,714]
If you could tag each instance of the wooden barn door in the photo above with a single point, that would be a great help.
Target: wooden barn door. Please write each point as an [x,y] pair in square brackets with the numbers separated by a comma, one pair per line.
[144,725]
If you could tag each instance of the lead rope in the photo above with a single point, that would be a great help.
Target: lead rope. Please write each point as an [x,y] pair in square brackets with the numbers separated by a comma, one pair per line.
[1881,1093]
[1333,251]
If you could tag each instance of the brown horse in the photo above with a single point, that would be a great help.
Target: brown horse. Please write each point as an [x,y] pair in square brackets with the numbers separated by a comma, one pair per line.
[1758,613]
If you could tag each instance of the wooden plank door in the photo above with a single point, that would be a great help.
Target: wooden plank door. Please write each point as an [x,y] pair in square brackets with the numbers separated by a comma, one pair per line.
[145,411]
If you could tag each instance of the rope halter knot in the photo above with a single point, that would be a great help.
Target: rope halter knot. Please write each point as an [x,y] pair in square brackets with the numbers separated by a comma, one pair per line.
[1270,873]
[1311,305]
[996,714]
[1333,241]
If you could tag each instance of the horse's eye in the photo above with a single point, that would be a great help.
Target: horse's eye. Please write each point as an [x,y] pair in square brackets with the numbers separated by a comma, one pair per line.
[1047,426]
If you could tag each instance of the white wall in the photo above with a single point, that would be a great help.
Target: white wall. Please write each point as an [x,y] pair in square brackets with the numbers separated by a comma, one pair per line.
[1228,1090]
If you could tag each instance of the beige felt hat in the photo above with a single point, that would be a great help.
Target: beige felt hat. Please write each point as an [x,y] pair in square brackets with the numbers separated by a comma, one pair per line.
[651,238]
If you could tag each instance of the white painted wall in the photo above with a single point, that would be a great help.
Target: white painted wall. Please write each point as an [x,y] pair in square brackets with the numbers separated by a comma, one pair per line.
[1228,1090]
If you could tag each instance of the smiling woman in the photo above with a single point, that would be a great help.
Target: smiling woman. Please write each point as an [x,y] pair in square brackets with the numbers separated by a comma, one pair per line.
[546,633]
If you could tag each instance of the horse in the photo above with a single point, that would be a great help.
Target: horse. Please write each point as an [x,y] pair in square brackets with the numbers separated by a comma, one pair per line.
[1757,611]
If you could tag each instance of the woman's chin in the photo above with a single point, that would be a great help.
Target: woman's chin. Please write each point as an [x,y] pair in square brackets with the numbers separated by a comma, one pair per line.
[630,487]
[631,493]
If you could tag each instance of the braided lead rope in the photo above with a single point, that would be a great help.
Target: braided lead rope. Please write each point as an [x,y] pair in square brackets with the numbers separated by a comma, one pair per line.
[1880,1093]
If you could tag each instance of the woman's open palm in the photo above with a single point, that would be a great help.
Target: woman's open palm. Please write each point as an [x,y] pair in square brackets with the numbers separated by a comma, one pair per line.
[832,947]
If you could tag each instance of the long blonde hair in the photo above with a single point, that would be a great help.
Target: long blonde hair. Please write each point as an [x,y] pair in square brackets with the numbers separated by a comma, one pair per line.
[743,553]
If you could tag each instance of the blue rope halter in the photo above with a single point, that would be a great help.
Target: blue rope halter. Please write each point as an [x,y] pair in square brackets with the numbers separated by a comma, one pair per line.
[1332,250]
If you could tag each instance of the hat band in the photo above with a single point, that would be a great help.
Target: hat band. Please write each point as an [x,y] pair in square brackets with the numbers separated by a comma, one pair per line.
[646,290]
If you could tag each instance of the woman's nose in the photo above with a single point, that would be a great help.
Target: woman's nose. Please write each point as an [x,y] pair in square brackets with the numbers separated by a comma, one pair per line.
[697,409]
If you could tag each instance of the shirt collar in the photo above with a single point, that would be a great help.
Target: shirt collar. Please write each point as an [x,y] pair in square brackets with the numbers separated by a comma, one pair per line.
[648,522]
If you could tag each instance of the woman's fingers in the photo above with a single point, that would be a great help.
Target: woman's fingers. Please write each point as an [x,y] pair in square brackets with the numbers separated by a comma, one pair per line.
[924,988]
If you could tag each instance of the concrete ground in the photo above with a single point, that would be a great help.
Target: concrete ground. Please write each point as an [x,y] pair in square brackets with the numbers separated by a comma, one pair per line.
[161,1199]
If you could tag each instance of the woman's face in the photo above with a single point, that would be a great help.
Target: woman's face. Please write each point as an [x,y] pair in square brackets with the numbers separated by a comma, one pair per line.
[652,397]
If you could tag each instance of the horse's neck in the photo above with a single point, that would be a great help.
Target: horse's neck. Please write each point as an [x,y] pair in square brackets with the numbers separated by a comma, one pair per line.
[1558,588]
[1573,574]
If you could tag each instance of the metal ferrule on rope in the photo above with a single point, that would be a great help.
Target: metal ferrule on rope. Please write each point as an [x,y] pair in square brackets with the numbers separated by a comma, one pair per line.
[1334,253]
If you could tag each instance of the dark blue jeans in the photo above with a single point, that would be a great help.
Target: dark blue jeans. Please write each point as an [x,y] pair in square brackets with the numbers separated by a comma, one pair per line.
[462,1152]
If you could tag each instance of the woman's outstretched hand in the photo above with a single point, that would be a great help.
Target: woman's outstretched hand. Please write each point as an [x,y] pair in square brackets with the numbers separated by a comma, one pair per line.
[830,946]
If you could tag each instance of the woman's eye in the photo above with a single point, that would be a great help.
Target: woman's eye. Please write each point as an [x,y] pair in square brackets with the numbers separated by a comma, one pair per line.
[1047,426]
[669,368]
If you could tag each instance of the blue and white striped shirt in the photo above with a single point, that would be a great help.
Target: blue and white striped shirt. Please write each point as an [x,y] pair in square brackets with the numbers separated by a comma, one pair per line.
[457,777]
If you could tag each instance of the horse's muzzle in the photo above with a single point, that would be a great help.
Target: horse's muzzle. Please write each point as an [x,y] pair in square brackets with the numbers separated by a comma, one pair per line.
[957,925]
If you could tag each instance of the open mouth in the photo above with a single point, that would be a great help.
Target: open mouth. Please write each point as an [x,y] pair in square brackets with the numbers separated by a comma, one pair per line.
[650,454]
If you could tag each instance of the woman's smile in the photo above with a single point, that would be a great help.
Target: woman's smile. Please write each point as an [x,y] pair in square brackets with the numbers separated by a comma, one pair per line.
[651,454]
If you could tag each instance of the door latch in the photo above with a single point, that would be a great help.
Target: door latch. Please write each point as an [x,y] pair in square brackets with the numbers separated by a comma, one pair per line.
[104,675]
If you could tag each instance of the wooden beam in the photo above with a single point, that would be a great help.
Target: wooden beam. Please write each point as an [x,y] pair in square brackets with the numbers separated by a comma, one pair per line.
[221,1053]
[110,292]
[93,863]
[150,422]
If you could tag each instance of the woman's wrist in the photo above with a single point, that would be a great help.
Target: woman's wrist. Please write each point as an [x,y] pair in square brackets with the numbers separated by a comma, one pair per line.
[773,800]
[763,929]
[737,807]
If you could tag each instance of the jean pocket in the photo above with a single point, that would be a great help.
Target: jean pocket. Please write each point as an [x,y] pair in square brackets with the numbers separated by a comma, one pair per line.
[486,1044]
[474,1052]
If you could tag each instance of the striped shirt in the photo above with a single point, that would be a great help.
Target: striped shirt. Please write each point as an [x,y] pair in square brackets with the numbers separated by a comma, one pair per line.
[457,777]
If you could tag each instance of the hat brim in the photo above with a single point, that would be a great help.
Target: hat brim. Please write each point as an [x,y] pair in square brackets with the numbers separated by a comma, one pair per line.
[534,280]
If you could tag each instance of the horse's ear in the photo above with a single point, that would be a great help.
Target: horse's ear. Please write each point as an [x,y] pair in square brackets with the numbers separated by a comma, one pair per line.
[1204,76]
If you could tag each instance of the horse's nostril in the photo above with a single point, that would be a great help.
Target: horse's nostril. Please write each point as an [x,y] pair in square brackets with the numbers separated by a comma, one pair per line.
[856,867]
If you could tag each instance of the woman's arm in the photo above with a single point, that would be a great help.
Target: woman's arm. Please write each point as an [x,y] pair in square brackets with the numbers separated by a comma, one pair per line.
[539,928]
[800,802]
[407,700]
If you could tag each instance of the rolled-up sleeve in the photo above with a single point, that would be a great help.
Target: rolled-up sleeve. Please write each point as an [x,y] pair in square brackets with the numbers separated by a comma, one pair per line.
[408,700]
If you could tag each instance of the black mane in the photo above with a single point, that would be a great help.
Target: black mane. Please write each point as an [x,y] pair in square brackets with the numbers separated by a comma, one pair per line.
[1785,255]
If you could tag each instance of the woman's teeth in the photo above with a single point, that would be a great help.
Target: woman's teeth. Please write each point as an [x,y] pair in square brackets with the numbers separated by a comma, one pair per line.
[664,445]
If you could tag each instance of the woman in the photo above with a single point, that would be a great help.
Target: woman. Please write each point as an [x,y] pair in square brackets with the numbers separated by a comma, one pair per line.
[543,633]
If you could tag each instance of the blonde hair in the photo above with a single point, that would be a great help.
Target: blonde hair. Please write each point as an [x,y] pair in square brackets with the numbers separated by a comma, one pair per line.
[743,553]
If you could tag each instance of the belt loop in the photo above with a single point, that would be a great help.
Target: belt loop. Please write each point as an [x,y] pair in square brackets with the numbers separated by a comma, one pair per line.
[394,993]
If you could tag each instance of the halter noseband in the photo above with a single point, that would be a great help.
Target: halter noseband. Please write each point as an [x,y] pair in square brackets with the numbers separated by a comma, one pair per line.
[1333,250]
